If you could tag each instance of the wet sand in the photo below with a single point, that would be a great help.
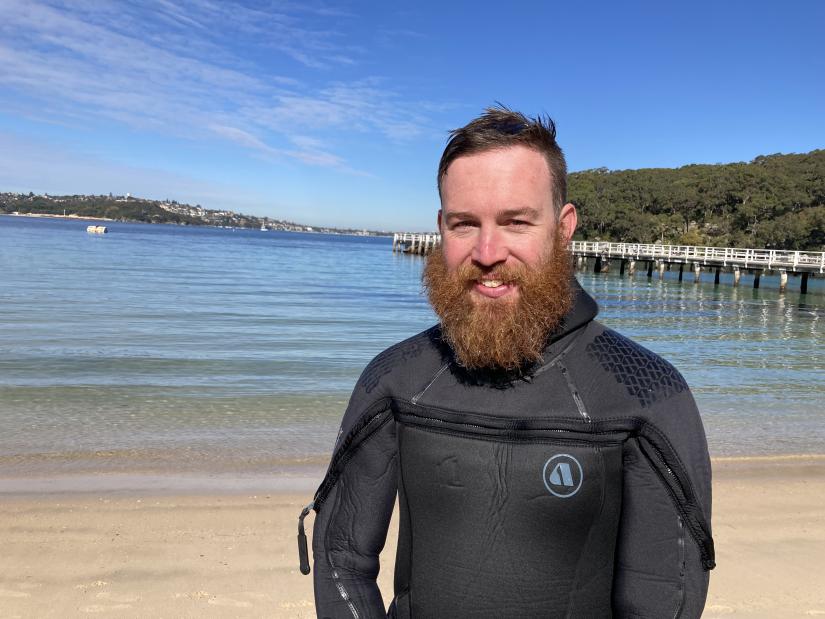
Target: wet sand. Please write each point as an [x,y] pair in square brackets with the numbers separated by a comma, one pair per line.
[114,554]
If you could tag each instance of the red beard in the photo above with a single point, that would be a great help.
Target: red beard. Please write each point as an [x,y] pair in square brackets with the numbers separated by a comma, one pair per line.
[504,333]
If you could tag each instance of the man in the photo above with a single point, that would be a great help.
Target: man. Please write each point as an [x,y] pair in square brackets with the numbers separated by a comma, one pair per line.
[545,466]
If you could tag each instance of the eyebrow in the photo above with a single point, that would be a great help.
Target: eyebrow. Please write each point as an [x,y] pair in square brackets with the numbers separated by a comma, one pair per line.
[505,214]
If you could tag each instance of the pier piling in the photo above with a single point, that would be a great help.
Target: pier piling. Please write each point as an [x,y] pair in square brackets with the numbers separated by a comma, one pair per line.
[783,280]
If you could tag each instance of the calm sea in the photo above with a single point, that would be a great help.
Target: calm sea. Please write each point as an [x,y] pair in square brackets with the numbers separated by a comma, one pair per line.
[160,348]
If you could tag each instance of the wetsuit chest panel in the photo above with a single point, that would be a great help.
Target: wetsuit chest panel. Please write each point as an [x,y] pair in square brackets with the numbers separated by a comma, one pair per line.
[508,528]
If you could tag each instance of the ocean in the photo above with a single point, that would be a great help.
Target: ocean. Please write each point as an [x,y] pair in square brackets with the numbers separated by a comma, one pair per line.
[158,349]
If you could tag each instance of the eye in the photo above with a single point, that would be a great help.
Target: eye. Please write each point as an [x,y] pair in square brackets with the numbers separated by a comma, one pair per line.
[462,225]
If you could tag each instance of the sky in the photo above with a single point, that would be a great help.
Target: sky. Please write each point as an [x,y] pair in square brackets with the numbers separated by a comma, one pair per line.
[336,113]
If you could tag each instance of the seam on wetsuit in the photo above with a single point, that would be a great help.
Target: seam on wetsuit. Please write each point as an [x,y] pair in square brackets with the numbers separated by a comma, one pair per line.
[505,439]
[410,530]
[575,338]
[574,392]
[333,570]
[418,395]
[682,572]
[407,407]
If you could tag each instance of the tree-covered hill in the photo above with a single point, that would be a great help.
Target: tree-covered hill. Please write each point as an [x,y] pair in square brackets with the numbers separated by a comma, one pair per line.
[94,207]
[775,201]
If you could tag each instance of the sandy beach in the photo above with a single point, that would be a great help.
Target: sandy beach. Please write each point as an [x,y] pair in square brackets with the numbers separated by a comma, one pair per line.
[234,555]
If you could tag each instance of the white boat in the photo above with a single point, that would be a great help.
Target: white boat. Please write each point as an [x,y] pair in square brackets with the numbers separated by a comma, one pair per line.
[263,228]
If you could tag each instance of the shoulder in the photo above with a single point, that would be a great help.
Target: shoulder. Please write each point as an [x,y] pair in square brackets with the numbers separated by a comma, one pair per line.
[397,372]
[401,367]
[620,366]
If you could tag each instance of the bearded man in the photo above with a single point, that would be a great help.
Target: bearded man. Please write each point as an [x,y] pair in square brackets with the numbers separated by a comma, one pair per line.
[545,466]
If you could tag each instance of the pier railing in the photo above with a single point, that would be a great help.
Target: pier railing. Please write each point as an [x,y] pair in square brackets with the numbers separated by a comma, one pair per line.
[765,259]
[771,259]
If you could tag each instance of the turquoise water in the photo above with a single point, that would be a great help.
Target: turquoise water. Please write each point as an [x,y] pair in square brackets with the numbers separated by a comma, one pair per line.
[164,348]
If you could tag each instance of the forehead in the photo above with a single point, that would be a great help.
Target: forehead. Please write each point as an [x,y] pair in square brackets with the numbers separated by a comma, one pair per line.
[507,177]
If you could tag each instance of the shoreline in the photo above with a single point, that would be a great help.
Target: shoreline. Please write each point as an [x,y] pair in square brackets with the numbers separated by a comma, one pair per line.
[56,216]
[324,230]
[296,476]
[234,554]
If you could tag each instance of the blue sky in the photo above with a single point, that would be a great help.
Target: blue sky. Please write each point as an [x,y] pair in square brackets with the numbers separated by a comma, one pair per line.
[337,113]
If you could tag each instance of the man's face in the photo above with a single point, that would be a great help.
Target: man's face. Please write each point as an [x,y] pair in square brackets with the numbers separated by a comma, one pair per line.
[497,211]
[501,283]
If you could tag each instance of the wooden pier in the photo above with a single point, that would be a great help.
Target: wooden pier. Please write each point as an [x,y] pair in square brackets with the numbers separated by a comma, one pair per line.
[414,243]
[716,259]
[662,257]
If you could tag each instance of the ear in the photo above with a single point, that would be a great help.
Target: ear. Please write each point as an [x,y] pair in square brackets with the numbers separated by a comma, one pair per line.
[439,220]
[568,220]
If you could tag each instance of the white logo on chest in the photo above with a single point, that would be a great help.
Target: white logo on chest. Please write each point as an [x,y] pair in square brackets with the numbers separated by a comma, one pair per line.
[563,475]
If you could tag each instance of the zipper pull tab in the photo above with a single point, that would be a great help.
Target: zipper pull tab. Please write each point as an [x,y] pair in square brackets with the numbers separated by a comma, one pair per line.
[303,553]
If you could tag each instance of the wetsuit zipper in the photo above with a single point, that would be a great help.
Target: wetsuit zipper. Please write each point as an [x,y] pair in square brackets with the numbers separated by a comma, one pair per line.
[694,526]
[343,454]
[511,429]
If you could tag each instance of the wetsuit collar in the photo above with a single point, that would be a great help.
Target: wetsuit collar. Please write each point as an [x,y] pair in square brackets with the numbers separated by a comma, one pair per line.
[583,311]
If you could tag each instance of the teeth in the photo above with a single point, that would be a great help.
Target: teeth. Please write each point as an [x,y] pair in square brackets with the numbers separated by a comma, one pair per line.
[491,283]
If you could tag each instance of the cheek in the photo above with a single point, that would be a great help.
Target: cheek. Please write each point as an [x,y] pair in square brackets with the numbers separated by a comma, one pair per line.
[534,252]
[455,253]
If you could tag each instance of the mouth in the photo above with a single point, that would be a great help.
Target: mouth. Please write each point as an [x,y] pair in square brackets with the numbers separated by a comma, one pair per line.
[493,288]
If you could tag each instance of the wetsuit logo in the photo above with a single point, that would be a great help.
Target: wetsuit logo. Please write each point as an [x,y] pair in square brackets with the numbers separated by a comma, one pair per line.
[563,475]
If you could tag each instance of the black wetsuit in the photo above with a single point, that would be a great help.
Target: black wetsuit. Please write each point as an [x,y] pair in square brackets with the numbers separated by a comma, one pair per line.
[579,490]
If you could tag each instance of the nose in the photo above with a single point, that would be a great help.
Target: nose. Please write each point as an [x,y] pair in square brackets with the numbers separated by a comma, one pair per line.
[489,248]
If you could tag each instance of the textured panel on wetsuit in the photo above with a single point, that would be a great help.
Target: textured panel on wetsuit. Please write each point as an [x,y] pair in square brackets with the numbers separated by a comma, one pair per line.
[645,375]
[485,535]
[384,363]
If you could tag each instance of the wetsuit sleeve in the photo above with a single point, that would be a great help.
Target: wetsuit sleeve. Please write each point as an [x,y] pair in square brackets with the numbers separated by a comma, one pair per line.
[354,505]
[664,547]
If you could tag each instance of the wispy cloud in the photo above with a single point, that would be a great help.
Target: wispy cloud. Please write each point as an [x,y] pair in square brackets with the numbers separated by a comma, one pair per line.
[23,161]
[306,149]
[174,67]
